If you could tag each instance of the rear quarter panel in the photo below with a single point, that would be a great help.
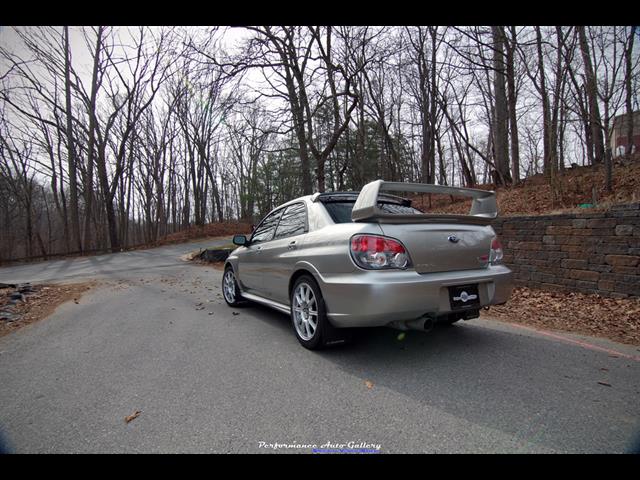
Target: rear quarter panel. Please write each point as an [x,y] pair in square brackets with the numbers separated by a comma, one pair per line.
[327,249]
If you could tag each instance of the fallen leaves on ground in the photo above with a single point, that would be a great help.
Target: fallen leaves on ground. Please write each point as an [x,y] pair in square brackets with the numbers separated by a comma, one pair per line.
[40,304]
[133,416]
[617,319]
[535,197]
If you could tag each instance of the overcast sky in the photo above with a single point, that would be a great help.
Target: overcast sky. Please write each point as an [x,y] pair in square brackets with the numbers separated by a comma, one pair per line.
[81,57]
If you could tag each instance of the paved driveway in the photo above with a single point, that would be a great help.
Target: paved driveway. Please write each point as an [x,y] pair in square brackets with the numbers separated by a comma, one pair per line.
[157,337]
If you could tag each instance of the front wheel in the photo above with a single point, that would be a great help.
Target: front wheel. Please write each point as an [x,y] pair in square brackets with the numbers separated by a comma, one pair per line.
[308,314]
[230,290]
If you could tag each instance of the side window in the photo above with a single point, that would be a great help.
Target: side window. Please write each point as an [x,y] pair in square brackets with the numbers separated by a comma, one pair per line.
[293,221]
[267,228]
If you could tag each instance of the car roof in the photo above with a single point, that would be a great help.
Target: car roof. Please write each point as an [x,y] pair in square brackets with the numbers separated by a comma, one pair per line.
[336,196]
[324,195]
[339,195]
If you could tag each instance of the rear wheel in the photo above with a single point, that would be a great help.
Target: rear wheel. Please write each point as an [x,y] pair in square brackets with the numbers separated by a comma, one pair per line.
[308,315]
[230,290]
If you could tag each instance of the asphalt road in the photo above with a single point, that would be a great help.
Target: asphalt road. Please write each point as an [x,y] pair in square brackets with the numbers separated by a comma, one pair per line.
[156,336]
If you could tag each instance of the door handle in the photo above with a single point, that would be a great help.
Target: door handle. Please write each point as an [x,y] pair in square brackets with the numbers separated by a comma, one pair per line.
[292,245]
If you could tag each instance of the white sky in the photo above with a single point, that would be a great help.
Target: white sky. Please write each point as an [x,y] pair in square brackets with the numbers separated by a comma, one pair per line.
[81,57]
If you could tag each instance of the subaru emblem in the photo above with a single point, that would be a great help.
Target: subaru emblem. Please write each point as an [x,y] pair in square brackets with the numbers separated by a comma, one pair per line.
[453,239]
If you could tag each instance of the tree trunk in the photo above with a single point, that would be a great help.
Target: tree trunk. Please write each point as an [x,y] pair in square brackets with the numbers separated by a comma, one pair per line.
[88,184]
[595,122]
[629,91]
[112,226]
[546,109]
[71,155]
[501,115]
[512,102]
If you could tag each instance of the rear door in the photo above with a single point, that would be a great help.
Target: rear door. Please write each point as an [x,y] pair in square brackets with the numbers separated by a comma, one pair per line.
[280,254]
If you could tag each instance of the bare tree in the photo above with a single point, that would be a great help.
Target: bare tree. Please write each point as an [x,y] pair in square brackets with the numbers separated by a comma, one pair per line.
[595,121]
[501,129]
[628,74]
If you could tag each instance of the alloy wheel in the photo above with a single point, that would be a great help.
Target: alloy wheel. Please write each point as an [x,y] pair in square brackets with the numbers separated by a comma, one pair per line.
[305,311]
[229,286]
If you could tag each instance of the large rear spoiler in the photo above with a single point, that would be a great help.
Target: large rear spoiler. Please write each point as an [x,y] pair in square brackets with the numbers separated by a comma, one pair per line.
[483,209]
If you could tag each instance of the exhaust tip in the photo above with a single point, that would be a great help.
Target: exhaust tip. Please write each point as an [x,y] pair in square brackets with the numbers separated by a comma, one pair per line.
[428,324]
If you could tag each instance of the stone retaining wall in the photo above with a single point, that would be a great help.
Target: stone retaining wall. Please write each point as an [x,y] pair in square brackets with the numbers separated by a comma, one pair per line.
[586,252]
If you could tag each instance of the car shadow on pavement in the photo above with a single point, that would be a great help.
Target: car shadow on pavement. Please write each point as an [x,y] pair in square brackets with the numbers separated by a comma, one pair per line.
[275,319]
[538,391]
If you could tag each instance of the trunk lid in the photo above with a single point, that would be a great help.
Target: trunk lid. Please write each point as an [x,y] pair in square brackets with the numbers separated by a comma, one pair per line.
[436,242]
[441,247]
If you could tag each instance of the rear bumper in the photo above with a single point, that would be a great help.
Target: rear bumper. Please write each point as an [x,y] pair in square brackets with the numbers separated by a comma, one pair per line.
[371,299]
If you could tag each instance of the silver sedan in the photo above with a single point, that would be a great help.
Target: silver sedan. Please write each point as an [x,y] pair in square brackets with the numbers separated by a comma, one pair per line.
[362,259]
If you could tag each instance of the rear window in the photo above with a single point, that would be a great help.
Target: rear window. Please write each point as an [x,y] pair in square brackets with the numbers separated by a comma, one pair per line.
[341,211]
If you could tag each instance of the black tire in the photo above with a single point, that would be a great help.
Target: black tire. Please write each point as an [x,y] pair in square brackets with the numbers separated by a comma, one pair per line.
[324,333]
[235,300]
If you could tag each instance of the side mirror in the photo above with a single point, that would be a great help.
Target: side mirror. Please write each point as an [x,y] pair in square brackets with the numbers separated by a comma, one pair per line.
[240,240]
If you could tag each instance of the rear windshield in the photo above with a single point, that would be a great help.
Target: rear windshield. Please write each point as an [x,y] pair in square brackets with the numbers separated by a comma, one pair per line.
[341,211]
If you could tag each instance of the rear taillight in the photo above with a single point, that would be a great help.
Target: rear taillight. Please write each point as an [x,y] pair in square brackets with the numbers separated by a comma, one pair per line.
[495,254]
[375,252]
